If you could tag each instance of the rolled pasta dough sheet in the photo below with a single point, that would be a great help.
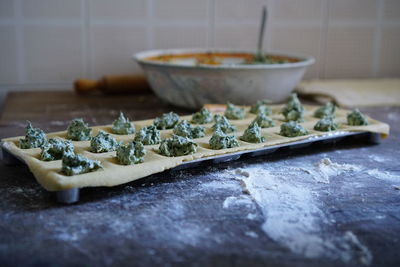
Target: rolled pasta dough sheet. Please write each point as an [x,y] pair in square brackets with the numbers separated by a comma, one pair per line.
[49,176]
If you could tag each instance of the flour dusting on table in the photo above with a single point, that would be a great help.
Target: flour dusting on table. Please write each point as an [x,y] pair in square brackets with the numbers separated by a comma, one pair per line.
[393,116]
[234,201]
[251,234]
[377,158]
[251,216]
[362,253]
[223,185]
[384,175]
[325,169]
[292,213]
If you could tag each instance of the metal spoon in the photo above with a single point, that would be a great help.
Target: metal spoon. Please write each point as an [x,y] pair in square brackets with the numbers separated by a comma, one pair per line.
[260,57]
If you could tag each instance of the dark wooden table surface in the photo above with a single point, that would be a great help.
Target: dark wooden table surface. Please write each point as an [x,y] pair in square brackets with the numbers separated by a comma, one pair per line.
[202,216]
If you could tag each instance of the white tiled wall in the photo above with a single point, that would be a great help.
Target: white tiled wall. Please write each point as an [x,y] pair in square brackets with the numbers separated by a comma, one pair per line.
[49,43]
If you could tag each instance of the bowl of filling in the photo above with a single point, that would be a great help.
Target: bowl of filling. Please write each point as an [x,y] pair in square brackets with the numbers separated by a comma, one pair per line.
[191,78]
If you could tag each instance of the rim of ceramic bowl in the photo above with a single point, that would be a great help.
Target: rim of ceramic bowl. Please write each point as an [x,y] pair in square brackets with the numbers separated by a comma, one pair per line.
[305,60]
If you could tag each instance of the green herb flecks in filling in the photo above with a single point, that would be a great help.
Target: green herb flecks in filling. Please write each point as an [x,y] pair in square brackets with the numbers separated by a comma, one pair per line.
[122,125]
[326,124]
[220,140]
[166,121]
[264,121]
[78,130]
[177,146]
[356,118]
[234,112]
[261,107]
[34,137]
[201,117]
[132,153]
[73,164]
[55,149]
[292,129]
[148,135]
[253,134]
[183,128]
[223,124]
[103,142]
[326,110]
[293,111]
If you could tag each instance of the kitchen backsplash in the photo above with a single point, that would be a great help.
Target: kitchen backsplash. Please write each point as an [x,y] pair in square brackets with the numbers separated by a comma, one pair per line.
[49,43]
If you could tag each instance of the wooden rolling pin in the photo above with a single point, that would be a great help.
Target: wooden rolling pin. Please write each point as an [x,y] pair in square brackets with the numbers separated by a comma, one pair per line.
[113,84]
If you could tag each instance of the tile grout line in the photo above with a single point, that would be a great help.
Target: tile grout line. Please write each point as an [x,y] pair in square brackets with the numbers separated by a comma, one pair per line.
[269,33]
[377,41]
[324,40]
[84,41]
[20,57]
[145,22]
[190,23]
[88,37]
[50,22]
[211,25]
[149,24]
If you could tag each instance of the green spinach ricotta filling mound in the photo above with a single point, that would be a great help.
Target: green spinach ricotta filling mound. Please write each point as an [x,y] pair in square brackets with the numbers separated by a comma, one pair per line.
[177,146]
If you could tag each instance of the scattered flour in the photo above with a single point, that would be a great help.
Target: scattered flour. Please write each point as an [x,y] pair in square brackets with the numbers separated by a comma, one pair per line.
[251,216]
[383,175]
[251,234]
[242,173]
[152,227]
[362,253]
[67,236]
[377,158]
[292,214]
[73,233]
[220,185]
[380,217]
[236,201]
[16,190]
[325,169]
[393,116]
[26,192]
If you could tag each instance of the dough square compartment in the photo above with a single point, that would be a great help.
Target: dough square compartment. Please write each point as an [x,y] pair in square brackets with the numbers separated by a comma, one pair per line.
[61,135]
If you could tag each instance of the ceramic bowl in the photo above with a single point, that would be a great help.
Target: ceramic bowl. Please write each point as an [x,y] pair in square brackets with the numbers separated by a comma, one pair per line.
[184,81]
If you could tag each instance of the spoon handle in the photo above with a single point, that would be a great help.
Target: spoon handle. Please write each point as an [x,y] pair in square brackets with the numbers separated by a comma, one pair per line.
[262,30]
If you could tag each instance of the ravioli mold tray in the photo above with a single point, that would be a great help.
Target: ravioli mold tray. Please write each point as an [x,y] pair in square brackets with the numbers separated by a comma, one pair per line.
[358,134]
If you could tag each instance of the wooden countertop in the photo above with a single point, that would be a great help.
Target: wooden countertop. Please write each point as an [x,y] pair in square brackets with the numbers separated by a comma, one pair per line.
[50,109]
